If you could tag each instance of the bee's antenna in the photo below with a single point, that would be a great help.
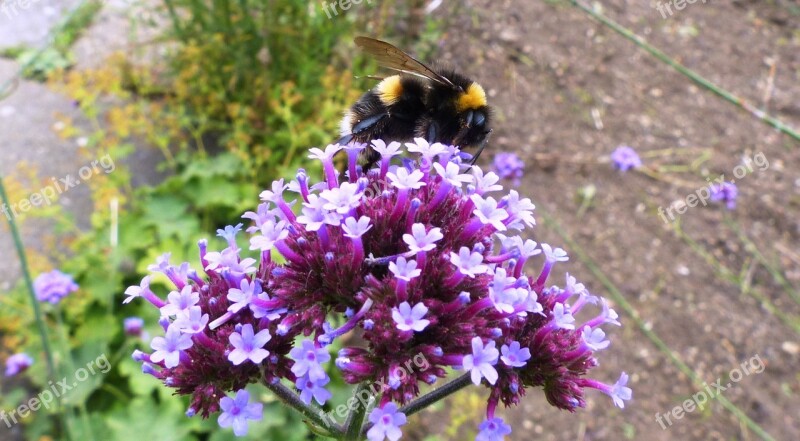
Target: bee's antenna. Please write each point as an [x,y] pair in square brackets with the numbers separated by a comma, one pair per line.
[480,149]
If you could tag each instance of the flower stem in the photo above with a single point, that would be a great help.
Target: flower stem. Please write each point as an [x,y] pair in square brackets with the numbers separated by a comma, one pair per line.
[290,398]
[355,420]
[432,397]
[26,275]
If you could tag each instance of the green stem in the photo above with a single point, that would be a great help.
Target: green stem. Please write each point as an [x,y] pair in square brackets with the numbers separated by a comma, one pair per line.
[355,420]
[314,415]
[692,75]
[26,275]
[432,397]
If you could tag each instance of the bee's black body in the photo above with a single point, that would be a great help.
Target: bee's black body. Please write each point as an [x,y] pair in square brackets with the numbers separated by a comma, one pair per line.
[439,106]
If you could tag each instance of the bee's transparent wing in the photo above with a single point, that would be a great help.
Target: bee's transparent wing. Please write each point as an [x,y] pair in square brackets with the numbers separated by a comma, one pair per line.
[393,58]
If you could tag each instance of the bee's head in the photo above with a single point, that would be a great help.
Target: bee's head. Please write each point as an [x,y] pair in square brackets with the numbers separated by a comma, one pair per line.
[473,117]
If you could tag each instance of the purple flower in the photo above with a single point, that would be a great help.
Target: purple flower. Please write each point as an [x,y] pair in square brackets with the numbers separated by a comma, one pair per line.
[342,199]
[192,322]
[513,356]
[236,411]
[247,346]
[401,248]
[620,392]
[308,360]
[489,213]
[494,429]
[406,181]
[168,348]
[243,295]
[354,229]
[625,158]
[386,423]
[53,286]
[404,269]
[410,319]
[271,232]
[509,166]
[481,362]
[17,363]
[726,192]
[133,326]
[136,291]
[468,263]
[180,302]
[595,339]
[485,183]
[420,240]
[313,389]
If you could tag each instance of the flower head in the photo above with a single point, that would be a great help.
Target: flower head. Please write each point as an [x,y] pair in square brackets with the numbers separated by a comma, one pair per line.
[248,346]
[169,347]
[493,429]
[406,254]
[625,158]
[726,192]
[509,166]
[133,326]
[410,319]
[386,423]
[237,411]
[481,362]
[17,363]
[53,286]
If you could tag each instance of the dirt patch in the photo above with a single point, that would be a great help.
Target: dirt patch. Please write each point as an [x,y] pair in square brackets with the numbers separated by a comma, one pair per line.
[567,92]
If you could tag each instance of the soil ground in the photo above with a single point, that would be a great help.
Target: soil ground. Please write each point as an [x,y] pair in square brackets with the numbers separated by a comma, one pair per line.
[568,91]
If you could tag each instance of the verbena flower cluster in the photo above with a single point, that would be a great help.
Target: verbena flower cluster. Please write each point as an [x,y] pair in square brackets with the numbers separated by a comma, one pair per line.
[53,286]
[726,192]
[421,255]
[17,364]
[625,158]
[508,165]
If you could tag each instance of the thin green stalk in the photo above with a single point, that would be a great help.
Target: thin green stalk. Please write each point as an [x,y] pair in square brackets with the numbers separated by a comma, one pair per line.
[290,398]
[774,272]
[432,397]
[26,275]
[82,412]
[727,274]
[620,300]
[692,75]
[352,427]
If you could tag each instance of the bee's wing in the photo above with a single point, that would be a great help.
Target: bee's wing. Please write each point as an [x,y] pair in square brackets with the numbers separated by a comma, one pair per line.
[391,57]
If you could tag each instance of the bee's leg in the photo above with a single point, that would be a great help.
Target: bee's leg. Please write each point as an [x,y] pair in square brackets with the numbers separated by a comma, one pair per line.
[432,129]
[344,140]
[367,123]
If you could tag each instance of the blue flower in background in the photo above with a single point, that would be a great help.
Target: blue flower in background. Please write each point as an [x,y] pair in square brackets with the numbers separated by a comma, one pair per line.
[53,286]
[625,158]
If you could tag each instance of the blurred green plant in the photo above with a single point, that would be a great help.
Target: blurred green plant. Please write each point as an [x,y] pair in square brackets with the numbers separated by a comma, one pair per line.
[246,84]
[38,63]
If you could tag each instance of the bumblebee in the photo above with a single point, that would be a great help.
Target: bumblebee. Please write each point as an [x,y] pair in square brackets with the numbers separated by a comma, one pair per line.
[437,105]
